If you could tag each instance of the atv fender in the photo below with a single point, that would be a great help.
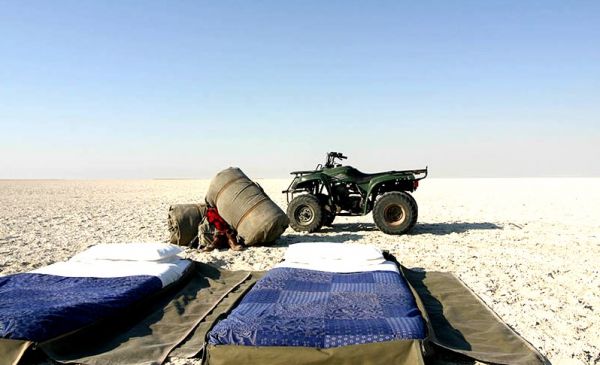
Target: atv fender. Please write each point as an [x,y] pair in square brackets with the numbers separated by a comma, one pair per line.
[303,182]
[375,184]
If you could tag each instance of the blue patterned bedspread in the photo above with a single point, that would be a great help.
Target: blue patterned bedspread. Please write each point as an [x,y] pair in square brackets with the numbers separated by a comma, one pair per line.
[39,307]
[297,307]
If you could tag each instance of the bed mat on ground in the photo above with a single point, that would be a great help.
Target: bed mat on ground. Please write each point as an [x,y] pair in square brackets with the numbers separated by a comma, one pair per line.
[146,333]
[300,307]
[457,319]
[39,307]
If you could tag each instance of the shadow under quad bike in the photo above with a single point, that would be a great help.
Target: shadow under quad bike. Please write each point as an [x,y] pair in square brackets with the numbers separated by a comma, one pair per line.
[316,197]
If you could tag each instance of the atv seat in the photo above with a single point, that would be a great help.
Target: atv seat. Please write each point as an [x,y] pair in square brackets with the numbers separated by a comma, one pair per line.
[361,177]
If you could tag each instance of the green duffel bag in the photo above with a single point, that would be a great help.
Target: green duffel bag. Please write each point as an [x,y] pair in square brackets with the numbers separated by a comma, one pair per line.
[183,223]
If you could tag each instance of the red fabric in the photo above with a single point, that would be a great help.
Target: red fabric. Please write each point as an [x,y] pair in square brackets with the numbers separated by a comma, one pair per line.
[216,220]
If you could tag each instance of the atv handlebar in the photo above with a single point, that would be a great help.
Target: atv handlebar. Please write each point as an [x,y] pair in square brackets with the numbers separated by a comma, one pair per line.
[331,157]
[337,155]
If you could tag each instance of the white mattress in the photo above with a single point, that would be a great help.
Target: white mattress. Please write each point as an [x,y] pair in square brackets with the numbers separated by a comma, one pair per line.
[167,271]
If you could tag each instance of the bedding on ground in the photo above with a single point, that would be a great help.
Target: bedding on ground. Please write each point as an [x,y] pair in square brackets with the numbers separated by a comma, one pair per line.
[67,296]
[295,305]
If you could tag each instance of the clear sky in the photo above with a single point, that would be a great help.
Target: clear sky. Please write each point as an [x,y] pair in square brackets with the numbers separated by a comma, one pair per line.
[145,89]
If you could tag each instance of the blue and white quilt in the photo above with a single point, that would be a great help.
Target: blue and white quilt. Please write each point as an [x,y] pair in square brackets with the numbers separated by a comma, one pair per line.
[67,296]
[302,307]
[38,307]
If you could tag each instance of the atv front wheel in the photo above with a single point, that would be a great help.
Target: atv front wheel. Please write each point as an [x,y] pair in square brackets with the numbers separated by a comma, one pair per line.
[305,213]
[328,218]
[395,212]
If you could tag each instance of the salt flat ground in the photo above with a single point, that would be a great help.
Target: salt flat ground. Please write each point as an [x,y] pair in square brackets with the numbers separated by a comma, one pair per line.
[529,247]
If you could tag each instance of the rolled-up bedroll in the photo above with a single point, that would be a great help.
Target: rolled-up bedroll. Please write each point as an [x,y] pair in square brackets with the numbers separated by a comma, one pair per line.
[245,206]
[183,223]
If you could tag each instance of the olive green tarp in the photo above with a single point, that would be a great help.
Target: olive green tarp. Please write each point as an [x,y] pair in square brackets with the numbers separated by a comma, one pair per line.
[458,321]
[378,353]
[11,351]
[462,323]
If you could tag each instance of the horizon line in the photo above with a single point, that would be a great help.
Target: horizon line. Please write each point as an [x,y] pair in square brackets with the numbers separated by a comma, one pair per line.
[286,178]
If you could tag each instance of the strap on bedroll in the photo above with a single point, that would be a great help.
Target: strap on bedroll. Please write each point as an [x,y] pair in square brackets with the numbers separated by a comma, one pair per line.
[169,323]
[464,324]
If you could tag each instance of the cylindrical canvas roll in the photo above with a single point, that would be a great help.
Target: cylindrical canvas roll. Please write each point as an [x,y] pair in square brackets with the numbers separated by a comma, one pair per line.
[245,206]
[183,222]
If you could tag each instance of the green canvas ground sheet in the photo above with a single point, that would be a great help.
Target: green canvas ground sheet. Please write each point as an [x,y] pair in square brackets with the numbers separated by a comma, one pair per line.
[463,324]
[407,352]
[11,351]
[177,324]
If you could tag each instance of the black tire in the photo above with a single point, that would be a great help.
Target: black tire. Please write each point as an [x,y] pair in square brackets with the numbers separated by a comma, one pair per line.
[305,213]
[395,212]
[414,202]
[328,210]
[328,218]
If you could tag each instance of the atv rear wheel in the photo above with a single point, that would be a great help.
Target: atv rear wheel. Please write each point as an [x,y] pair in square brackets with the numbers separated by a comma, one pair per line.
[395,212]
[305,213]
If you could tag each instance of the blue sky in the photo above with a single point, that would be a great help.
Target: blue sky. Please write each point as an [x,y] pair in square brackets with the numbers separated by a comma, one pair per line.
[144,89]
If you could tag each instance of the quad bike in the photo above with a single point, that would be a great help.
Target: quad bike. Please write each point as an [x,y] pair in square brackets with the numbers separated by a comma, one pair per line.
[316,197]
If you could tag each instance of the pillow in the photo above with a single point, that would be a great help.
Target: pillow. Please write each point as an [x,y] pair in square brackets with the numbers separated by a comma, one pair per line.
[307,252]
[152,251]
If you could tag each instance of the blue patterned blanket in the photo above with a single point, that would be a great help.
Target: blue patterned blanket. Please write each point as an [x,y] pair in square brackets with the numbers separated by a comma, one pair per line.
[39,307]
[297,307]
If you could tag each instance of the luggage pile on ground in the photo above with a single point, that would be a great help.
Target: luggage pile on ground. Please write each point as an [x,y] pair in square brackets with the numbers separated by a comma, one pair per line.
[252,218]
